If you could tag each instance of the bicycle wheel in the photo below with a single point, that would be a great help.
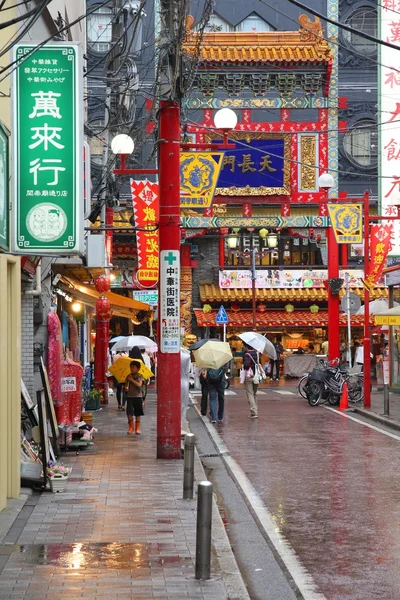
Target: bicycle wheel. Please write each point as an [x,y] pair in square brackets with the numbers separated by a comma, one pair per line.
[303,386]
[333,399]
[314,393]
[355,385]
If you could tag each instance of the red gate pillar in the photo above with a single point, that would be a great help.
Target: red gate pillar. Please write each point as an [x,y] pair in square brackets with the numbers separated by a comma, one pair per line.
[333,299]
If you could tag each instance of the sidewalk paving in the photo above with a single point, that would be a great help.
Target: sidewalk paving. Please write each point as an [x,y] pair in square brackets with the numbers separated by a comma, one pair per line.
[376,411]
[121,529]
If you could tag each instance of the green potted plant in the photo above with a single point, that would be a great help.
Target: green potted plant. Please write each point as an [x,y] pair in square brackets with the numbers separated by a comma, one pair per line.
[93,399]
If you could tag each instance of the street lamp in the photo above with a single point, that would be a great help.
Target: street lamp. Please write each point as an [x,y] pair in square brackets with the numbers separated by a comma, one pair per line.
[225,119]
[326,182]
[122,144]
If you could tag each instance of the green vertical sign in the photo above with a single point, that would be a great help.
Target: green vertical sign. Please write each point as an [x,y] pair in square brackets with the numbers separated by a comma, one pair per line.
[47,142]
[4,198]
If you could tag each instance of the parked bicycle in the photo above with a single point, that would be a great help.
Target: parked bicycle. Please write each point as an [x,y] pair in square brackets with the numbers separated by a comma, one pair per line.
[325,384]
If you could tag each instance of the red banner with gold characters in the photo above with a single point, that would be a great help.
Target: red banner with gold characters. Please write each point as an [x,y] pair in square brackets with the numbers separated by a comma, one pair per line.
[145,201]
[380,245]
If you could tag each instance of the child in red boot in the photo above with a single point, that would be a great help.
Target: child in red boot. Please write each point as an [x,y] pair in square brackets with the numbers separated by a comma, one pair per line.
[134,397]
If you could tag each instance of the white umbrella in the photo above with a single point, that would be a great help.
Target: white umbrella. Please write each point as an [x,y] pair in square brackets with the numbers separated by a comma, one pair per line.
[259,343]
[117,339]
[129,341]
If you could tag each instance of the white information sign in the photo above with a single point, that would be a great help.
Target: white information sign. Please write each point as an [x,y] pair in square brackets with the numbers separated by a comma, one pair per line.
[68,384]
[170,302]
[389,116]
[149,297]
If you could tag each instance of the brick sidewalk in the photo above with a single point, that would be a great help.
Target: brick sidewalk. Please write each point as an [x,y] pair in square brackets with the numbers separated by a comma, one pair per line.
[121,529]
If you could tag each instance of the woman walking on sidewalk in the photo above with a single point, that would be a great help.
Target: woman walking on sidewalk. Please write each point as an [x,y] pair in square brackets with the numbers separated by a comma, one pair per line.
[134,397]
[250,359]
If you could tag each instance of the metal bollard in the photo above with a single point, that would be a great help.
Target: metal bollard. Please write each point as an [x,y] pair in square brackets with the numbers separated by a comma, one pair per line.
[188,467]
[386,400]
[203,530]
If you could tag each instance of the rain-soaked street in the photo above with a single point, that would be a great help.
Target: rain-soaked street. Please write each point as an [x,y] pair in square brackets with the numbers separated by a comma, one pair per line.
[331,486]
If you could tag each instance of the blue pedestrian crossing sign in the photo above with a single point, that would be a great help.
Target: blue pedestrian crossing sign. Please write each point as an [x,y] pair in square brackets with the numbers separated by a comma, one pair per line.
[222,317]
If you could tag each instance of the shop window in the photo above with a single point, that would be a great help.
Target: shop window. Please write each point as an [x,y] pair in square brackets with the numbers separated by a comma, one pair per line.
[99,29]
[254,23]
[361,143]
[364,20]
[289,251]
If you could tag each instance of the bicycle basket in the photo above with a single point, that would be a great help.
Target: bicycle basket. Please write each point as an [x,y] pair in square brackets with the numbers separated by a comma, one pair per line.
[318,375]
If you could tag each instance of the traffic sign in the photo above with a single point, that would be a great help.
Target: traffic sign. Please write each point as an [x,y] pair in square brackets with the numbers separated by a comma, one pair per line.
[222,317]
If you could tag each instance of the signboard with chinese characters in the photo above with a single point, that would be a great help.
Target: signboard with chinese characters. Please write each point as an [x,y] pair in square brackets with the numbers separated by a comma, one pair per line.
[199,175]
[149,297]
[346,221]
[4,197]
[389,109]
[286,278]
[259,166]
[380,244]
[170,339]
[47,144]
[146,210]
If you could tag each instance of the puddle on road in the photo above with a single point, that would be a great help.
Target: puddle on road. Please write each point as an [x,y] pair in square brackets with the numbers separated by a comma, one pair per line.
[97,555]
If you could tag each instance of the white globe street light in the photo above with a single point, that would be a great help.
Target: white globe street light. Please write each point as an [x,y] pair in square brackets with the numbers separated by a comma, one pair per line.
[325,181]
[122,144]
[225,119]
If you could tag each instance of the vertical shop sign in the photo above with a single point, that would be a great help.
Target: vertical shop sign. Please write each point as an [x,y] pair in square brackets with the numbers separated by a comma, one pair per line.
[145,201]
[170,302]
[380,244]
[47,146]
[389,108]
[4,197]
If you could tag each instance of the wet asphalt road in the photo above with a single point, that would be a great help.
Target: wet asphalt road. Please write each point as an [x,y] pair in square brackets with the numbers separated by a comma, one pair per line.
[332,487]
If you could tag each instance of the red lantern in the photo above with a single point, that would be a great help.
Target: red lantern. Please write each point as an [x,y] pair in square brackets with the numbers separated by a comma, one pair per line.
[103,309]
[102,284]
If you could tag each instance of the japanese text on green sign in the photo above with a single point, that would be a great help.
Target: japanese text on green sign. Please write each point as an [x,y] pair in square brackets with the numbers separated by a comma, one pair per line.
[48,150]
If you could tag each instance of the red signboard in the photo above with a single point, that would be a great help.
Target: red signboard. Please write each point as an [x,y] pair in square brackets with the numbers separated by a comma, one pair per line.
[380,244]
[145,202]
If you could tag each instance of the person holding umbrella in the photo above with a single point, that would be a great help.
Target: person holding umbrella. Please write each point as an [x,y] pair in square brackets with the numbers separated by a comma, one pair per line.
[250,359]
[254,343]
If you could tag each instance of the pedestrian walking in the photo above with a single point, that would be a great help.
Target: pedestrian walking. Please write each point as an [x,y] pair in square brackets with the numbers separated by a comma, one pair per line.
[250,359]
[134,398]
[204,392]
[216,389]
[276,364]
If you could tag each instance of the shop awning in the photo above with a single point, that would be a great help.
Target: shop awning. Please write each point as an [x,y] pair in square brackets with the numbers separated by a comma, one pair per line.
[276,318]
[211,292]
[120,305]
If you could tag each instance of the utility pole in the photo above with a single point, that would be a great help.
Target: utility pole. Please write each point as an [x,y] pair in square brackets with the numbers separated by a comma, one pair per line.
[169,358]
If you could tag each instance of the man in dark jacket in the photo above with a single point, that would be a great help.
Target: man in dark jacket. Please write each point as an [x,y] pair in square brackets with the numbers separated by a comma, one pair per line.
[276,364]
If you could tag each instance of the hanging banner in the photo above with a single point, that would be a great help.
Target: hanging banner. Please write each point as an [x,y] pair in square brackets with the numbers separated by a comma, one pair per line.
[389,107]
[4,196]
[199,176]
[146,211]
[47,149]
[380,244]
[346,220]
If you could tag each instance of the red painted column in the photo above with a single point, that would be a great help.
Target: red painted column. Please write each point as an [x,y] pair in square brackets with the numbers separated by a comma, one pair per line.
[222,233]
[169,364]
[367,339]
[333,299]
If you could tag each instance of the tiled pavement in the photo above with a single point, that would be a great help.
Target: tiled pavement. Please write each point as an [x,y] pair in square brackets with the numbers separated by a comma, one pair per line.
[121,529]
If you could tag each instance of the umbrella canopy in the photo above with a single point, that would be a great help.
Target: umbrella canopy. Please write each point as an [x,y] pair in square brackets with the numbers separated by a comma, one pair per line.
[213,355]
[121,368]
[201,343]
[117,339]
[259,343]
[129,341]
